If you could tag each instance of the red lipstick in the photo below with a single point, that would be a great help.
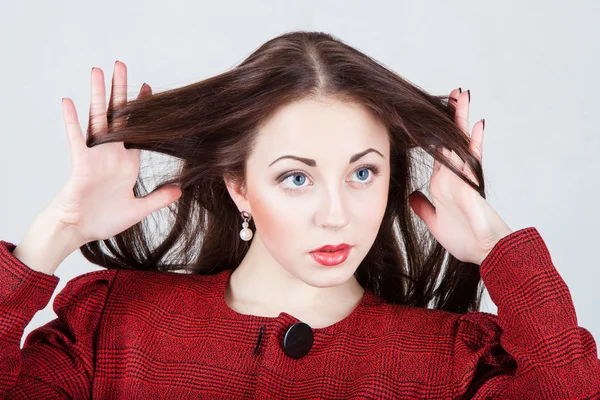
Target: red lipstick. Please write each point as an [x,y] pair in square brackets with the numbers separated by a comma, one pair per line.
[331,254]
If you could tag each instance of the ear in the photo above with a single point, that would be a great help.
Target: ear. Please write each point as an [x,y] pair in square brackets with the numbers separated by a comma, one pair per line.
[237,191]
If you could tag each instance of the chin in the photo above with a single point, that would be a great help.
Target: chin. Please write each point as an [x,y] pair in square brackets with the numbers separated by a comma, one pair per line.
[332,276]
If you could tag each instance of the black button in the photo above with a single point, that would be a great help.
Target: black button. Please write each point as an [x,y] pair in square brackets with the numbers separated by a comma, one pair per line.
[298,340]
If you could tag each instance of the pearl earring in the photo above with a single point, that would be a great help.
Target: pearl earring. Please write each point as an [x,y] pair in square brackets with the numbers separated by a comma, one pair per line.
[245,233]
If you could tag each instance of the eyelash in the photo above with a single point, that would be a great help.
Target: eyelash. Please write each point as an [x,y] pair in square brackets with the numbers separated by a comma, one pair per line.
[373,168]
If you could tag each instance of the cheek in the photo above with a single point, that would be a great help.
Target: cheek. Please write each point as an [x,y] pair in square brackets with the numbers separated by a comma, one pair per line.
[371,214]
[279,224]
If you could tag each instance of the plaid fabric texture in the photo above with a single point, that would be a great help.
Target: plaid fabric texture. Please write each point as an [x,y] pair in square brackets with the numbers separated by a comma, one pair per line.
[158,335]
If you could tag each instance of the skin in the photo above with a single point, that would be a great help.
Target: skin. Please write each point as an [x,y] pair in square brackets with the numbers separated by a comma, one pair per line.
[278,274]
[462,221]
[332,202]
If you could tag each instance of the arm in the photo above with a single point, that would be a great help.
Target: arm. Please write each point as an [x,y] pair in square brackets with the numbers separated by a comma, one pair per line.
[533,348]
[57,359]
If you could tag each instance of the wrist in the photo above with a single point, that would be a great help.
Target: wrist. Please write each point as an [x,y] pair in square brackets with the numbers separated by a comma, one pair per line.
[504,233]
[46,244]
[59,232]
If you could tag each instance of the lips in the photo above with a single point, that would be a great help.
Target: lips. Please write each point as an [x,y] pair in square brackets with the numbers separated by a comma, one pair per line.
[332,248]
[331,255]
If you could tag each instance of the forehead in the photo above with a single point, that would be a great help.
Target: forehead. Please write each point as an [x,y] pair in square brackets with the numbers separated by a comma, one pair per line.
[313,127]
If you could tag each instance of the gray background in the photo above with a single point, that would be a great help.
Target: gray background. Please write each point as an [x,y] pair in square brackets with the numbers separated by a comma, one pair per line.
[532,68]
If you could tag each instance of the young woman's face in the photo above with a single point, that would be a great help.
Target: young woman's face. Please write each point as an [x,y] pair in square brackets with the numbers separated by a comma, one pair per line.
[338,196]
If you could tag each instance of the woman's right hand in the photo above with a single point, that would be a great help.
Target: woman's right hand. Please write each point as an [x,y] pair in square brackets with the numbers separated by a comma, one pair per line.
[97,202]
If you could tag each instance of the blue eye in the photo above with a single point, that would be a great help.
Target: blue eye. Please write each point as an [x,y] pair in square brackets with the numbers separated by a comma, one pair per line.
[300,181]
[298,178]
[365,175]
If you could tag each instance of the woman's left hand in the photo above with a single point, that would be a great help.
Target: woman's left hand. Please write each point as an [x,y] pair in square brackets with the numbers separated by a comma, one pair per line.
[461,220]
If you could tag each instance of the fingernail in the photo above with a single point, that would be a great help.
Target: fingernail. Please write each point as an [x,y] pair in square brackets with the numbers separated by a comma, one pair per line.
[459,90]
[469,93]
[483,120]
[116,61]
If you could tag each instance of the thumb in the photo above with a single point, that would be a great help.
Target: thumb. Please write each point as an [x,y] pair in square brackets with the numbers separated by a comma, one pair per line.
[422,207]
[158,199]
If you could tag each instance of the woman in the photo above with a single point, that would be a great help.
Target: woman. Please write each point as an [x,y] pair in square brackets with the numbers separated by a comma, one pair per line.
[298,268]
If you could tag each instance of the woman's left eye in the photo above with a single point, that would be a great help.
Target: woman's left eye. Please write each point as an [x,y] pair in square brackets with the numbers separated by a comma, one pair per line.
[363,173]
[299,178]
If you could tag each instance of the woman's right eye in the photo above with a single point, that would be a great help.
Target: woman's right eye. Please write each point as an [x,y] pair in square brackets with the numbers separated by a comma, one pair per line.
[295,181]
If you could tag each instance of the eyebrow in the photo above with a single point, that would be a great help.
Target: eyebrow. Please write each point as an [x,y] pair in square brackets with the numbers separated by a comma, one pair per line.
[312,163]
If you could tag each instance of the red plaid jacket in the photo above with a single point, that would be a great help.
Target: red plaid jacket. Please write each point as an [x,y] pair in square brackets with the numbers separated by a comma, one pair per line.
[154,335]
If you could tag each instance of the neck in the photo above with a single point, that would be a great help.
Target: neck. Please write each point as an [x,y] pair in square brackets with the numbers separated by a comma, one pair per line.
[261,286]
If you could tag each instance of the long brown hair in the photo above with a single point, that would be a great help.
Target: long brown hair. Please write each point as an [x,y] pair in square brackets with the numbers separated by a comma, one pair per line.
[209,128]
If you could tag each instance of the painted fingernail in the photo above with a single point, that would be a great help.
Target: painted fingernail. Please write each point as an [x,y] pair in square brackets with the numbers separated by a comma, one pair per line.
[459,90]
[469,93]
[483,120]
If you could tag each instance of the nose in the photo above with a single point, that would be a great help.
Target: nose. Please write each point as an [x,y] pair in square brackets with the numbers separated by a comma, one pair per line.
[332,212]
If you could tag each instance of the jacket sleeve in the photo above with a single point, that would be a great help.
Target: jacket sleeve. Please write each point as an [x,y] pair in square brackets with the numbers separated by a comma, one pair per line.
[533,348]
[57,359]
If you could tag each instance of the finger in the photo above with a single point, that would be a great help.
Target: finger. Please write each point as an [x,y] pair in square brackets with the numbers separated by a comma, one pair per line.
[462,112]
[476,144]
[145,91]
[453,97]
[457,160]
[453,158]
[118,95]
[476,148]
[469,173]
[97,123]
[438,165]
[447,154]
[75,139]
[424,209]
[156,200]
[454,94]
